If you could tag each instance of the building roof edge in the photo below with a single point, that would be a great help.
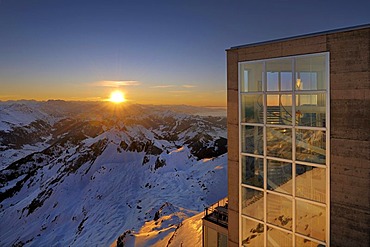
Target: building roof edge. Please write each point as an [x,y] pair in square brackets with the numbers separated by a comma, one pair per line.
[352,28]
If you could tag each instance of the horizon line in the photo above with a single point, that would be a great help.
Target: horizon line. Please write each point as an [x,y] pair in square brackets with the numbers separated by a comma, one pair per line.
[102,101]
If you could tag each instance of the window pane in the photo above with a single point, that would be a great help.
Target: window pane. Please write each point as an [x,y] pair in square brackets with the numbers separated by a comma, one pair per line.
[279,211]
[252,171]
[251,77]
[252,203]
[252,139]
[222,240]
[306,243]
[311,220]
[279,176]
[310,109]
[279,238]
[279,109]
[211,237]
[286,81]
[252,108]
[272,78]
[252,233]
[311,72]
[311,183]
[279,75]
[311,146]
[279,142]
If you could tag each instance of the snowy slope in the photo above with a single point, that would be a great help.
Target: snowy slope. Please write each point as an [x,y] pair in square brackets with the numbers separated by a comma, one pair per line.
[91,177]
[168,230]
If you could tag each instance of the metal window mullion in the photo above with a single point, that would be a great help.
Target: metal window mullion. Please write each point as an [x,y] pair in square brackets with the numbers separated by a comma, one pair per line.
[312,239]
[310,128]
[247,186]
[310,164]
[279,228]
[252,124]
[251,218]
[310,201]
[251,155]
[264,80]
[278,126]
[279,159]
[304,92]
[293,151]
[251,93]
[240,158]
[276,193]
[327,122]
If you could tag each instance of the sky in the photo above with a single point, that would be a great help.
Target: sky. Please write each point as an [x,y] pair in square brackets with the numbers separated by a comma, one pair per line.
[155,52]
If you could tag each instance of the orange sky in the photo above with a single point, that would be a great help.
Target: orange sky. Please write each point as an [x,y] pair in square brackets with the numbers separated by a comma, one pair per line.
[135,92]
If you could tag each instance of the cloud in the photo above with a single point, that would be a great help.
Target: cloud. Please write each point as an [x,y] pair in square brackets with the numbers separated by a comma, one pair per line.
[188,86]
[116,83]
[163,86]
[170,85]
[179,91]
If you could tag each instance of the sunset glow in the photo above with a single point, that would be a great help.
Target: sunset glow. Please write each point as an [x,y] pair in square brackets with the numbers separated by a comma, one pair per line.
[117,97]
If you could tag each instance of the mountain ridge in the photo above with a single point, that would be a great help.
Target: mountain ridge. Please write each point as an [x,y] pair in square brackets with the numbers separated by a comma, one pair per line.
[93,170]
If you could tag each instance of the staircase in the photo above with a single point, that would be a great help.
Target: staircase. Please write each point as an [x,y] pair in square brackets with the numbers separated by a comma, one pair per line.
[275,116]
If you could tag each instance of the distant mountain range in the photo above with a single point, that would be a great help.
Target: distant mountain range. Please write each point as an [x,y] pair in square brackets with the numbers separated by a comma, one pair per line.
[87,173]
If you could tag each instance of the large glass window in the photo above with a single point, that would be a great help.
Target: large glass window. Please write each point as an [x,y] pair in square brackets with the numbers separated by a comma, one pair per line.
[284,155]
[252,170]
[252,111]
[252,139]
[311,72]
[251,77]
[279,74]
[253,234]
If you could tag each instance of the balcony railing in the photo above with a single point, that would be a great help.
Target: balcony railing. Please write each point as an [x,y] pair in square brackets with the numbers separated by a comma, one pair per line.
[217,213]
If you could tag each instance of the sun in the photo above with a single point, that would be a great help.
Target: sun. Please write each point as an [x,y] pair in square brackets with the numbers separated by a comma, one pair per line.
[117,97]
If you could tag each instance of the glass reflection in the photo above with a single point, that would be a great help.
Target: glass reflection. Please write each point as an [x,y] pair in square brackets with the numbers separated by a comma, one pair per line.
[252,203]
[222,240]
[279,109]
[279,176]
[279,238]
[252,108]
[311,183]
[311,146]
[279,75]
[311,220]
[252,139]
[251,77]
[279,142]
[252,233]
[306,78]
[279,211]
[252,171]
[311,72]
[310,110]
[306,243]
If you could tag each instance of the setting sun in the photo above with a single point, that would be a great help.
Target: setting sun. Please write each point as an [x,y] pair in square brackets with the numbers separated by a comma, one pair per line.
[117,97]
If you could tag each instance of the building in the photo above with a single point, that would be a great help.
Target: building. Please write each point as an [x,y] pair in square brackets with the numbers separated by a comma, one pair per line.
[299,140]
[214,225]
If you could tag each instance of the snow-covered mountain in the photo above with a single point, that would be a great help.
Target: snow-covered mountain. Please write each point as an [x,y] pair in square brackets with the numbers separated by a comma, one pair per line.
[93,174]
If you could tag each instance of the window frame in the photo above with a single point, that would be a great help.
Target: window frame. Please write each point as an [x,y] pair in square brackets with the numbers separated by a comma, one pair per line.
[294,127]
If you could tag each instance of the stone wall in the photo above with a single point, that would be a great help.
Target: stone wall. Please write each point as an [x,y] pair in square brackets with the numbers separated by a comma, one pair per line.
[350,138]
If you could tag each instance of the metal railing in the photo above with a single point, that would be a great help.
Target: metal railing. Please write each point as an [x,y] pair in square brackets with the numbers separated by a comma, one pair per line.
[217,212]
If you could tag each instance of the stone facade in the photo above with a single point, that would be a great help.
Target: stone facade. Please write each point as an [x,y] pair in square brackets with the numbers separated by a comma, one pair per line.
[349,127]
